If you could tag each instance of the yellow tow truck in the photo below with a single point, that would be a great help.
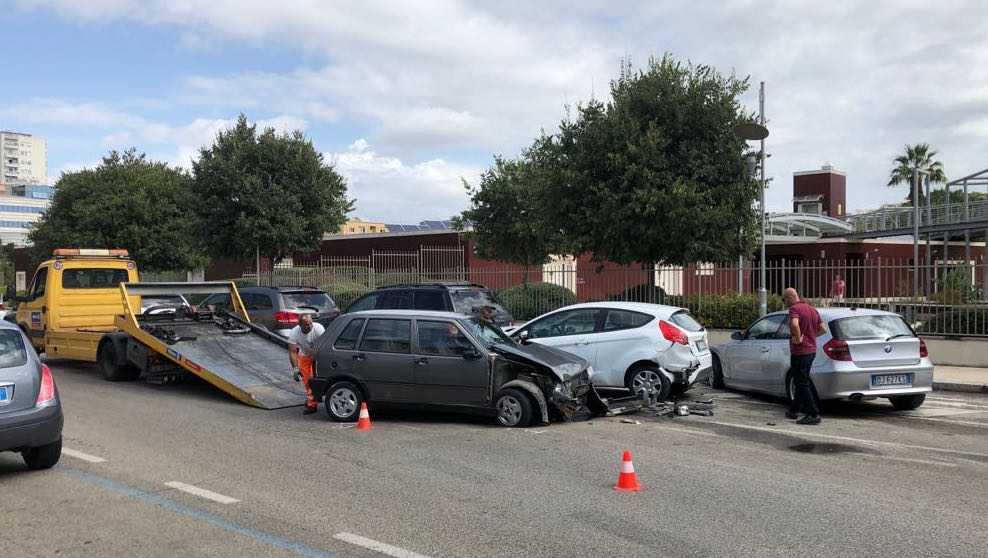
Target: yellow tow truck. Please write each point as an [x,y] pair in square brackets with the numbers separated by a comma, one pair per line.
[85,305]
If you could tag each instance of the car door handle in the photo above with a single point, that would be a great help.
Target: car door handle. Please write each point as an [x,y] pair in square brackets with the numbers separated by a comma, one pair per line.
[422,361]
[359,356]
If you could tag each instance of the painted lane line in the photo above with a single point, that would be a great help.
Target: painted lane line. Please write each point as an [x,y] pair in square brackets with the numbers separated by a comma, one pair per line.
[849,439]
[83,456]
[907,460]
[377,546]
[201,492]
[206,517]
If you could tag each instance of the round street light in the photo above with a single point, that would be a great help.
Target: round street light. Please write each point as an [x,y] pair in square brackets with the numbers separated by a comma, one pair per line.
[751,131]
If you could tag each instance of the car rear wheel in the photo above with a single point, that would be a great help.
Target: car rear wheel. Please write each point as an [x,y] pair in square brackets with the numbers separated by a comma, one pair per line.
[907,402]
[514,408]
[112,371]
[716,374]
[651,379]
[43,457]
[343,401]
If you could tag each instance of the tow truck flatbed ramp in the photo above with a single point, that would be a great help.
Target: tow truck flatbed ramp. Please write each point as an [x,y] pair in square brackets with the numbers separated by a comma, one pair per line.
[242,359]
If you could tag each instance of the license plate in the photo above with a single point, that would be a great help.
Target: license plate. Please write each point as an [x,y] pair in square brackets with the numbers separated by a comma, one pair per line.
[886,380]
[3,394]
[701,346]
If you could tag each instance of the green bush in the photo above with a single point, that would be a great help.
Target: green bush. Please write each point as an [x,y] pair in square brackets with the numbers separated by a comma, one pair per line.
[345,293]
[529,300]
[724,311]
[955,287]
[960,321]
[641,293]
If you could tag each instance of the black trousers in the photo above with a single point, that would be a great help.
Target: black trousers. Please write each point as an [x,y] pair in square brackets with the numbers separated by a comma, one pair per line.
[803,400]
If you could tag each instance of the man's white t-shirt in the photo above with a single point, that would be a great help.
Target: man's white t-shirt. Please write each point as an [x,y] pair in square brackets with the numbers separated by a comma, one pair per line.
[306,341]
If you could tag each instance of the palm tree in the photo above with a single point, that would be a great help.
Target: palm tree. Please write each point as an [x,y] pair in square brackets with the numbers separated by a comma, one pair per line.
[920,157]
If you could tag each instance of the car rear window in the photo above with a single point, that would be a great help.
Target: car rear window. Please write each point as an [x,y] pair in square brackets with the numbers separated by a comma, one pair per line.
[12,351]
[870,327]
[311,299]
[469,301]
[93,278]
[685,321]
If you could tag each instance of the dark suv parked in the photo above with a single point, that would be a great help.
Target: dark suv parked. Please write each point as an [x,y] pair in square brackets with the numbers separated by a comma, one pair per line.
[278,308]
[462,298]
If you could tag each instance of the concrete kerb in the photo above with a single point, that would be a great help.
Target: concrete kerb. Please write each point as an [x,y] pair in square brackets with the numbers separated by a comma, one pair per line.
[954,386]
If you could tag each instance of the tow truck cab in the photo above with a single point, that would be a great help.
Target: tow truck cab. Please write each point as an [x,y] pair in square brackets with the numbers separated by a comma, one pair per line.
[73,299]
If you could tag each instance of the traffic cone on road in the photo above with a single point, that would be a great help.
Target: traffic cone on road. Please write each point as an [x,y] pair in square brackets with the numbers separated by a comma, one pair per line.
[627,480]
[364,423]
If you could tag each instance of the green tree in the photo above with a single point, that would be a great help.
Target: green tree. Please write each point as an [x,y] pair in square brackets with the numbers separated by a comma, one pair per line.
[656,174]
[917,157]
[127,202]
[266,191]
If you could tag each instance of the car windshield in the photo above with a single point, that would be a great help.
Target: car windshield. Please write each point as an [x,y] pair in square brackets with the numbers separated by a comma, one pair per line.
[486,333]
[469,301]
[311,299]
[12,352]
[870,327]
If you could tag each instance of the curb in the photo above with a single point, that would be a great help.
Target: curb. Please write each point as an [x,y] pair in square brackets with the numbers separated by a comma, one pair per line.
[953,386]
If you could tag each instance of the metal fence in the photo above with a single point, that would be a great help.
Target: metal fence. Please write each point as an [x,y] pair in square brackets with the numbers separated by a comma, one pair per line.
[948,301]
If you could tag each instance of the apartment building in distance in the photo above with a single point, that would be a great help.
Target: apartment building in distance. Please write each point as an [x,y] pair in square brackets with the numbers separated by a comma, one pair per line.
[23,160]
[359,226]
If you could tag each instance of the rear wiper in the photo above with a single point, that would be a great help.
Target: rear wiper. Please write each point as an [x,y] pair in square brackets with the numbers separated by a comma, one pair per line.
[898,335]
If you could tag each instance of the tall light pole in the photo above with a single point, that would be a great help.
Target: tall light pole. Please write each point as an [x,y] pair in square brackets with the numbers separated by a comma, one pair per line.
[917,172]
[753,131]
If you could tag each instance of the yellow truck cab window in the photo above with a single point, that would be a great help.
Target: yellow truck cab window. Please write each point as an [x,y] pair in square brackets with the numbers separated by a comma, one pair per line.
[93,278]
[40,278]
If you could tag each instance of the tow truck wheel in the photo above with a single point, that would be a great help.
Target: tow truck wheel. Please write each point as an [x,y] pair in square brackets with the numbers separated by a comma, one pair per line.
[343,401]
[651,379]
[112,371]
[514,408]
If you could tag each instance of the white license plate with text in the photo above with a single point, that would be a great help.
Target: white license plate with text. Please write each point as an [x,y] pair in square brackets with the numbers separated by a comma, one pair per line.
[891,380]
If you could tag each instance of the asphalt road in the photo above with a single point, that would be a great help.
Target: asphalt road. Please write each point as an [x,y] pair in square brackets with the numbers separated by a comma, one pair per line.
[746,482]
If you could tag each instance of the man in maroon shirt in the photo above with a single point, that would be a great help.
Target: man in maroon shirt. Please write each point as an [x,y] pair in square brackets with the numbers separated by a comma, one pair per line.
[804,327]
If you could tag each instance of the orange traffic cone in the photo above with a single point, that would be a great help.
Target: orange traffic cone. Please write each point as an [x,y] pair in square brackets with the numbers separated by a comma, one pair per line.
[627,480]
[363,423]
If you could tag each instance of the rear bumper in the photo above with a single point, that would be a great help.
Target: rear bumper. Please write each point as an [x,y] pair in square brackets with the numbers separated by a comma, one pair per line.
[857,384]
[31,428]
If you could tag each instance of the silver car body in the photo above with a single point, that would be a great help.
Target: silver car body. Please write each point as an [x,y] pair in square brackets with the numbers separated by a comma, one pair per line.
[24,423]
[760,360]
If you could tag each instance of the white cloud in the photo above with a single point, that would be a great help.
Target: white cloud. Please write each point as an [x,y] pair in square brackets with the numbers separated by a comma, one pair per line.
[387,189]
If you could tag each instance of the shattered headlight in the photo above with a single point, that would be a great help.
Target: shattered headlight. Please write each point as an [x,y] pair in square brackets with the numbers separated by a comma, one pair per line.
[564,389]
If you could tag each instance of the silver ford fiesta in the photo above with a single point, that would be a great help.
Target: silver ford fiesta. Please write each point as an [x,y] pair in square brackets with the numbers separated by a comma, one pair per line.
[865,354]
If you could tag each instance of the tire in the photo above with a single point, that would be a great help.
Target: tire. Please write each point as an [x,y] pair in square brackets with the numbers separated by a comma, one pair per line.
[907,402]
[717,374]
[514,408]
[43,457]
[343,401]
[113,372]
[791,391]
[648,376]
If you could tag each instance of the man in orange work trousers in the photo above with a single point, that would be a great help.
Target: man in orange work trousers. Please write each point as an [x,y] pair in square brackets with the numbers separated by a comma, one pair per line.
[302,340]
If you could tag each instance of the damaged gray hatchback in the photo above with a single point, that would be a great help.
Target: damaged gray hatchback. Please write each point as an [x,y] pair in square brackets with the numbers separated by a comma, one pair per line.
[441,359]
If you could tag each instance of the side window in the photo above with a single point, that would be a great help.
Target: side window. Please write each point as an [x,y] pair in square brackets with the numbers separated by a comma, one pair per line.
[387,336]
[572,322]
[347,340]
[396,299]
[365,303]
[766,328]
[442,339]
[40,278]
[260,301]
[430,300]
[624,319]
[218,301]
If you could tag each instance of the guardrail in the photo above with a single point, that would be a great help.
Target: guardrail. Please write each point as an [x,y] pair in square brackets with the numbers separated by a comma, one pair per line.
[895,218]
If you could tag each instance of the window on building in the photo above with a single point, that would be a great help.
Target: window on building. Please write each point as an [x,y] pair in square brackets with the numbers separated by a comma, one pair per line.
[815,208]
[840,209]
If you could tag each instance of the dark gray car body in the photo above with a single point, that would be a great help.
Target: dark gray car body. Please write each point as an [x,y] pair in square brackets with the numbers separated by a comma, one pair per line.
[557,381]
[23,425]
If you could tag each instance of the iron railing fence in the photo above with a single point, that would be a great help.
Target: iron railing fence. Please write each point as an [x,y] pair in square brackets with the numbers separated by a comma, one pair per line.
[894,218]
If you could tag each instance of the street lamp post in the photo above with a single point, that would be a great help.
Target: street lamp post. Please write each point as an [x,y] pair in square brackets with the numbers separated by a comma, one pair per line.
[753,131]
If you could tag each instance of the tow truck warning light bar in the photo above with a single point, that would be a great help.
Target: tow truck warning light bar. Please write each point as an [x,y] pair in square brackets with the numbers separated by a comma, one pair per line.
[90,252]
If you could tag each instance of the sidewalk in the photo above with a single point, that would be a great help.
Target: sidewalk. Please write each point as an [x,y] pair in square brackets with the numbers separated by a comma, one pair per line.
[960,378]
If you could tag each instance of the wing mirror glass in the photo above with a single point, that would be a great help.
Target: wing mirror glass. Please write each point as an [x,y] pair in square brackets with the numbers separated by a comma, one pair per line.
[737,336]
[524,337]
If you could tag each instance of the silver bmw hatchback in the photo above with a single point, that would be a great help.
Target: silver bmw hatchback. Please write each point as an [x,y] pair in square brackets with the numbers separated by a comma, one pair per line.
[864,354]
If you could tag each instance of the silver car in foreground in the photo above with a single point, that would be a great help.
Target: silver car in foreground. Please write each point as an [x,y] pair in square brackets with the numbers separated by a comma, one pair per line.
[864,354]
[30,412]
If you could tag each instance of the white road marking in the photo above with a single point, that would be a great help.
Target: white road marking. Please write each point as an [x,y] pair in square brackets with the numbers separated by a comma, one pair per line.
[849,439]
[201,492]
[82,456]
[948,421]
[908,460]
[377,546]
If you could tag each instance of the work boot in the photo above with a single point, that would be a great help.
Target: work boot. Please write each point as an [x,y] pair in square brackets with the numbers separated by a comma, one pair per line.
[792,415]
[809,419]
[309,410]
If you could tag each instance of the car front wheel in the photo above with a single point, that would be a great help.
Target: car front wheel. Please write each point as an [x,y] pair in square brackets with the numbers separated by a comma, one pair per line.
[343,401]
[716,374]
[43,457]
[907,402]
[514,408]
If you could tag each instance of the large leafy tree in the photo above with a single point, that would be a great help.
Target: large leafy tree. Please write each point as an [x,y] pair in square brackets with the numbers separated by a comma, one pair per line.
[127,202]
[265,191]
[916,157]
[657,174]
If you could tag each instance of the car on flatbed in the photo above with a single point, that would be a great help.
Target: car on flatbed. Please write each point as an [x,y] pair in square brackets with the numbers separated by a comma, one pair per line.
[864,354]
[279,308]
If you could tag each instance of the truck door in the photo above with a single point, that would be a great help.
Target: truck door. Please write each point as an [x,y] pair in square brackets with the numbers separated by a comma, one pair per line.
[33,314]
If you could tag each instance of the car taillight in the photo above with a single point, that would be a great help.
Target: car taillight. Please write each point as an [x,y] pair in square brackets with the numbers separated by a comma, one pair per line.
[837,349]
[46,395]
[286,318]
[923,353]
[673,333]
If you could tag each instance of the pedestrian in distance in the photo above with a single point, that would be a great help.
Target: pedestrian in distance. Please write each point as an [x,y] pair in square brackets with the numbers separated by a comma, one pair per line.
[837,291]
[302,340]
[805,326]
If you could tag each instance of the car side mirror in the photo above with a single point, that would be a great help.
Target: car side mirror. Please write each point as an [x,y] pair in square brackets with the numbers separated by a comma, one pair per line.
[523,337]
[737,336]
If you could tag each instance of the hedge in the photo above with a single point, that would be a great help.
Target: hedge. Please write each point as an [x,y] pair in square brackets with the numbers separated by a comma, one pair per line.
[641,293]
[345,293]
[528,300]
[962,321]
[724,311]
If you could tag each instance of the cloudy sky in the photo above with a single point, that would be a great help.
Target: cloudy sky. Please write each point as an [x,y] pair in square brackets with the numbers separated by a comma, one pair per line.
[408,97]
